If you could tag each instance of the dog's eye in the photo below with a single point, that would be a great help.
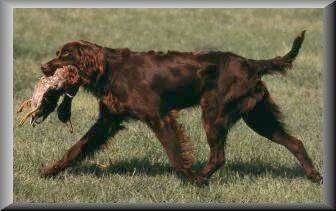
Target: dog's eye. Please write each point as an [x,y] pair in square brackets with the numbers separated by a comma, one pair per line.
[65,54]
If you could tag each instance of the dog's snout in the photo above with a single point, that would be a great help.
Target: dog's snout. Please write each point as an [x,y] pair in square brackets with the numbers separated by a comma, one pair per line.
[44,66]
[46,70]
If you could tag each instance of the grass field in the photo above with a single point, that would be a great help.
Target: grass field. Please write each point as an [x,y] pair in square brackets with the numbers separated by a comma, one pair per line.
[257,170]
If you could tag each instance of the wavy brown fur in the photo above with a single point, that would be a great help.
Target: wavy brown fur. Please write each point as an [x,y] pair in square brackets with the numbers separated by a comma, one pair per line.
[153,86]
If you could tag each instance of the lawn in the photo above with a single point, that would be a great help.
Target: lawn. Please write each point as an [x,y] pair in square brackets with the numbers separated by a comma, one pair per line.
[256,171]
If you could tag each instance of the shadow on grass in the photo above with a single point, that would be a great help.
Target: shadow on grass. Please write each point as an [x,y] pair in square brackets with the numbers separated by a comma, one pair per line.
[144,166]
[125,167]
[260,168]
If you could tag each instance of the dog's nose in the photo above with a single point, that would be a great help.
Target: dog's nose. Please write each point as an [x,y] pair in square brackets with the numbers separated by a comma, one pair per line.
[45,69]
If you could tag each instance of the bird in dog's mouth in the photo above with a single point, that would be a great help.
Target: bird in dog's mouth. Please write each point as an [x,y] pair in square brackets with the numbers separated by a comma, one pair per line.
[46,94]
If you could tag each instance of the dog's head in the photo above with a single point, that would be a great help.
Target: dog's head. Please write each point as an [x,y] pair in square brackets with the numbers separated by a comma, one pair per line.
[87,57]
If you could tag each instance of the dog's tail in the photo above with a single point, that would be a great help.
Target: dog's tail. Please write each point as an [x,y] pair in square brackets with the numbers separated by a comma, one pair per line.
[278,65]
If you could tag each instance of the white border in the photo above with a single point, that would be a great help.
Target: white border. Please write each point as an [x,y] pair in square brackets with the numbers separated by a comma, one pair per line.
[6,58]
[171,4]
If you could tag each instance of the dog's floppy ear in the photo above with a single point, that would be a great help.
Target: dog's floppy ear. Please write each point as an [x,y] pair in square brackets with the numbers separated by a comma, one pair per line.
[73,75]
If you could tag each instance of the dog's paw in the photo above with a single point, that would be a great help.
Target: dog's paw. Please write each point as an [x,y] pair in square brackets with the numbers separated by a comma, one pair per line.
[48,170]
[201,181]
[316,177]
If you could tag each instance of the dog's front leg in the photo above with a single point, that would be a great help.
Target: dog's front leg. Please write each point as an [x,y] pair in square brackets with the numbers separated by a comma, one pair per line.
[106,126]
[175,143]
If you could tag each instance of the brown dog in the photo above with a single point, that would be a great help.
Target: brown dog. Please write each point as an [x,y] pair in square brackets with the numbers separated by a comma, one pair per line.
[148,86]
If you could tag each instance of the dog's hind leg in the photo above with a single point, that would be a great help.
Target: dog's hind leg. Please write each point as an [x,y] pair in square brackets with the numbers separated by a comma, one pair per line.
[105,127]
[216,125]
[216,138]
[264,119]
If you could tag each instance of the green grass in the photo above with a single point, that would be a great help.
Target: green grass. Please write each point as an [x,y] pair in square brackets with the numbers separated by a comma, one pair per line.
[257,170]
